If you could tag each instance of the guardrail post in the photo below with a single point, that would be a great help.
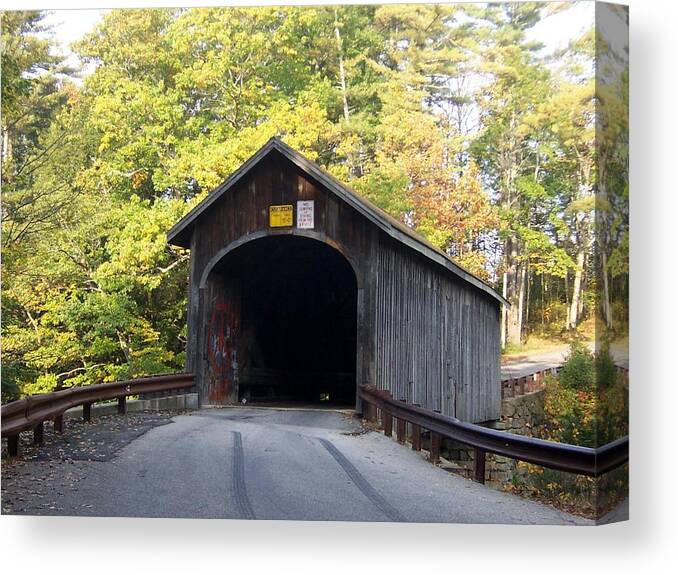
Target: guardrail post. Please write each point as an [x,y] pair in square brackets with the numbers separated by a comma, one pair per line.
[436,439]
[122,405]
[87,412]
[38,433]
[416,434]
[400,428]
[388,423]
[434,453]
[13,445]
[371,412]
[366,410]
[479,465]
[59,423]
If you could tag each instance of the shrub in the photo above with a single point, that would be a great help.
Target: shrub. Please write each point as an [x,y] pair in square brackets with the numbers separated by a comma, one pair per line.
[570,414]
[606,371]
[586,405]
[578,372]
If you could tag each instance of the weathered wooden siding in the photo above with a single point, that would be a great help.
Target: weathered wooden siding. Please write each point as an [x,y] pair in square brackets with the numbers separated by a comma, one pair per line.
[425,334]
[437,340]
[275,181]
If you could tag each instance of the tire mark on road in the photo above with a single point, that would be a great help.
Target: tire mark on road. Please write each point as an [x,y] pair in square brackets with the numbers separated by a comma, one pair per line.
[361,483]
[239,486]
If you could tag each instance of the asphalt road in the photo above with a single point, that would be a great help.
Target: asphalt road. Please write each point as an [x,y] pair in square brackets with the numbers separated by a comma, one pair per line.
[247,463]
[530,363]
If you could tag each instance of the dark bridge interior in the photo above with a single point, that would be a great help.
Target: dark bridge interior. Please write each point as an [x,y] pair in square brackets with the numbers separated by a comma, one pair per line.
[297,333]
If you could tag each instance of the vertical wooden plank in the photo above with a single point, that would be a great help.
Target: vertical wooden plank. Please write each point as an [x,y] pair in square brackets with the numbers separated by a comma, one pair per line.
[122,405]
[87,412]
[416,438]
[59,423]
[192,313]
[400,430]
[252,211]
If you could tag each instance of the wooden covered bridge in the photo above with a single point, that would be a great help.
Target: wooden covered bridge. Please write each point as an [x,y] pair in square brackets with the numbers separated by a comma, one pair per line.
[300,289]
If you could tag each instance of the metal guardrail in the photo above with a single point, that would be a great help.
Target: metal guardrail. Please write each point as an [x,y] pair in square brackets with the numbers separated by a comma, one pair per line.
[31,413]
[565,457]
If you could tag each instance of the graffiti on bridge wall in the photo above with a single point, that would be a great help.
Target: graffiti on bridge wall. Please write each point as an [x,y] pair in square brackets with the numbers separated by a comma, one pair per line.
[222,359]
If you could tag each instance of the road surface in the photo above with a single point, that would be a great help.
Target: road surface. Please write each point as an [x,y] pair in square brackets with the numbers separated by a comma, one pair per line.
[250,463]
[514,367]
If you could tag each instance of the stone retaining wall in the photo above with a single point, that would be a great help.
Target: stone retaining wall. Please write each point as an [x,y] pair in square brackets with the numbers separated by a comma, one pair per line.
[520,414]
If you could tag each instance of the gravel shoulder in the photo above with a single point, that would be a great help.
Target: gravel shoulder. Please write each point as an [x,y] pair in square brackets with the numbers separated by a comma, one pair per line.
[36,482]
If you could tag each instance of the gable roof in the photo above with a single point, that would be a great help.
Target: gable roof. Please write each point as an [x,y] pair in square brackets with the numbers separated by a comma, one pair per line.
[180,233]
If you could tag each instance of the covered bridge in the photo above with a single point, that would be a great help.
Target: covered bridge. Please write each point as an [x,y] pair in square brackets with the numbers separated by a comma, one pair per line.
[300,289]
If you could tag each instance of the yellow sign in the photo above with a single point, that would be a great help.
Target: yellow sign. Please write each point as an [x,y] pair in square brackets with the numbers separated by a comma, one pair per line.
[280,216]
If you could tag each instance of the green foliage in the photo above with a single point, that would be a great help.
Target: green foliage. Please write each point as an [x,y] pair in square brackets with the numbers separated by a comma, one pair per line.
[606,370]
[10,387]
[578,372]
[570,414]
[586,403]
[24,54]
[588,410]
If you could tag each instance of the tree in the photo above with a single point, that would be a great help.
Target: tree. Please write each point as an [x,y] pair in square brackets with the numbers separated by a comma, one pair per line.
[508,148]
[571,113]
[34,193]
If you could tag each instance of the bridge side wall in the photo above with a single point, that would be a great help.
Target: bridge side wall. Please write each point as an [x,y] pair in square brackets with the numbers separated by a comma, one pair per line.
[437,339]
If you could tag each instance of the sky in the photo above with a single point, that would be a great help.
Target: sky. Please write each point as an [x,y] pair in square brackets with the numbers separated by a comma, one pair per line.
[70,24]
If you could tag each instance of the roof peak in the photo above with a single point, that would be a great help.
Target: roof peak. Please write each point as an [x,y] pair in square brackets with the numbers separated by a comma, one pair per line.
[179,234]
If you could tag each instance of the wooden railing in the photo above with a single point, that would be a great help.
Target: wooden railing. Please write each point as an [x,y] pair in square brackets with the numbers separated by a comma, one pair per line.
[378,404]
[514,386]
[31,413]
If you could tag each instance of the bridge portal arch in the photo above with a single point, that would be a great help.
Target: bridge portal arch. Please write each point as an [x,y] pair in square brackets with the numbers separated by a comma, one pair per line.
[281,317]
